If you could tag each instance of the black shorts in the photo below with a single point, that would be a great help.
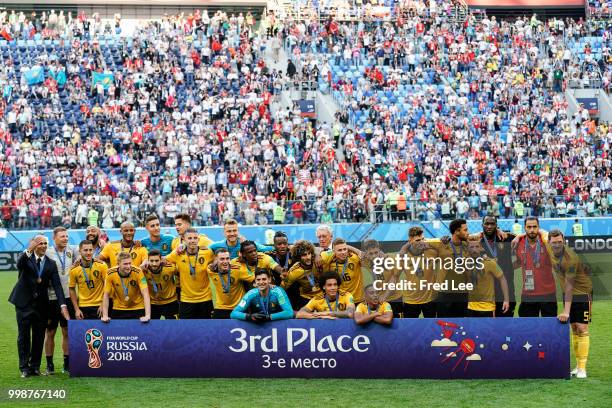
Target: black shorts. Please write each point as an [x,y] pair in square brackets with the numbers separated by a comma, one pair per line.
[580,312]
[90,312]
[55,314]
[221,314]
[414,310]
[398,308]
[200,310]
[169,311]
[478,313]
[127,314]
[299,303]
[545,306]
[451,304]
[500,313]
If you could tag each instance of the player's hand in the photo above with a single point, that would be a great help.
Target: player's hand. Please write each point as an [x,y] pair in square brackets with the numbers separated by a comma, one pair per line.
[145,319]
[259,317]
[563,317]
[144,265]
[35,242]
[445,239]
[100,311]
[101,242]
[137,243]
[106,319]
[505,306]
[284,274]
[329,317]
[65,313]
[501,235]
[78,314]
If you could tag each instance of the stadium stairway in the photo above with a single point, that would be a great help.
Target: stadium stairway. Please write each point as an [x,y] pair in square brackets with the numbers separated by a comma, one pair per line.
[603,101]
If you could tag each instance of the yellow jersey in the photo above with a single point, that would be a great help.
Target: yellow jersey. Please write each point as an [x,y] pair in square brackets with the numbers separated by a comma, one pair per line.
[426,271]
[482,297]
[194,282]
[125,292]
[448,253]
[162,287]
[382,308]
[88,283]
[112,249]
[320,303]
[306,280]
[570,266]
[349,272]
[229,290]
[203,241]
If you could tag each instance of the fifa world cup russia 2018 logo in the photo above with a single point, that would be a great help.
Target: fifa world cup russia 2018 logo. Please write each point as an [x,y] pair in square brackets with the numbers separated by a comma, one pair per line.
[93,339]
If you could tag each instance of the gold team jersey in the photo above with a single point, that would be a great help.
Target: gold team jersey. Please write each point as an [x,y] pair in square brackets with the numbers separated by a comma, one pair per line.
[446,253]
[195,285]
[425,271]
[306,280]
[112,250]
[88,283]
[349,272]
[570,266]
[482,297]
[226,298]
[319,303]
[382,308]
[162,287]
[117,287]
[203,241]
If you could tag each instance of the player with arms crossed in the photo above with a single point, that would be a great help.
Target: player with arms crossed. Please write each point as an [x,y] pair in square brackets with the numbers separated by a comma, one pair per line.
[264,303]
[331,304]
[577,289]
[127,286]
[373,309]
[88,277]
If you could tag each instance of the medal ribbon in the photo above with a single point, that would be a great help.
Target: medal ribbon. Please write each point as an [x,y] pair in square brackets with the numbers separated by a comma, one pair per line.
[337,302]
[62,259]
[125,288]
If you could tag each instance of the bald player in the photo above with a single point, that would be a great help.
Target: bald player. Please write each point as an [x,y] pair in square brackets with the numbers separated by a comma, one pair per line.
[111,251]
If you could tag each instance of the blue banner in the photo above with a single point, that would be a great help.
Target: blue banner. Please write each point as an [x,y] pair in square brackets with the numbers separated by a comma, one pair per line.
[410,348]
[106,79]
[34,75]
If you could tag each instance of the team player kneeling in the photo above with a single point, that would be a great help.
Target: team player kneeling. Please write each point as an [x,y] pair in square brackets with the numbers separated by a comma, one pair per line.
[241,279]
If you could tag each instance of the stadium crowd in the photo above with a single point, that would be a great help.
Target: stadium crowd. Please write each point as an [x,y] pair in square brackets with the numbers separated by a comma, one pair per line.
[444,120]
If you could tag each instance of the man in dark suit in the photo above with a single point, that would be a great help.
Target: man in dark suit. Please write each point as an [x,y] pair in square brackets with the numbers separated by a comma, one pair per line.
[31,300]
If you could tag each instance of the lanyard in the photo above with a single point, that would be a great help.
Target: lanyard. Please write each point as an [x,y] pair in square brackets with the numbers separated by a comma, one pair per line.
[337,302]
[264,303]
[455,251]
[192,270]
[226,285]
[311,279]
[492,250]
[343,269]
[97,252]
[131,247]
[85,273]
[536,255]
[286,266]
[125,288]
[40,268]
[62,259]
[153,279]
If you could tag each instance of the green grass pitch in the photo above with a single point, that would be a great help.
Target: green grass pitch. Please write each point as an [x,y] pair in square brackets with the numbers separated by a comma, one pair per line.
[140,392]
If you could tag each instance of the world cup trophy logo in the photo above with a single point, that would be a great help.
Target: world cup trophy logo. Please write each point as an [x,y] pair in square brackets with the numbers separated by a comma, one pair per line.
[93,339]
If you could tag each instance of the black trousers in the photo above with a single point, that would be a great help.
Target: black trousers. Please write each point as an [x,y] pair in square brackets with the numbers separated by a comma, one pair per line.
[168,311]
[31,325]
[452,304]
[90,312]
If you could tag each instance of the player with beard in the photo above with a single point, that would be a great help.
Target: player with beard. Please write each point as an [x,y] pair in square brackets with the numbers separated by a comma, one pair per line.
[574,280]
[372,251]
[111,251]
[281,255]
[538,296]
[496,244]
[161,277]
[303,273]
[229,280]
[93,234]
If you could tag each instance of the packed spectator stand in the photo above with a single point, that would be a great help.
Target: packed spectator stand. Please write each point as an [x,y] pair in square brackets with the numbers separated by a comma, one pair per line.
[441,114]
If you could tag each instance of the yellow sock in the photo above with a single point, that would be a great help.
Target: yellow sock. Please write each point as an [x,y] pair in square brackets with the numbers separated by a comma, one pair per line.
[575,343]
[582,352]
